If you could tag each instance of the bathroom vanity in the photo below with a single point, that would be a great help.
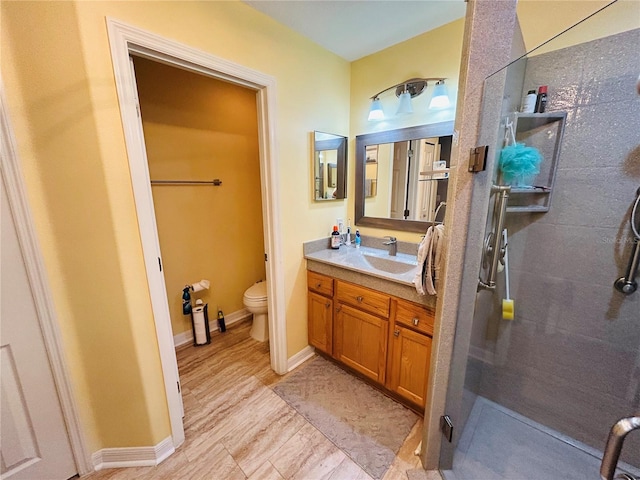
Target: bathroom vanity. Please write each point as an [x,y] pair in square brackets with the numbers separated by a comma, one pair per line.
[371,320]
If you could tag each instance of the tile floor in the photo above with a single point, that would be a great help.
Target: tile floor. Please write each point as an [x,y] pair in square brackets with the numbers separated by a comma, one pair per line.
[527,450]
[236,427]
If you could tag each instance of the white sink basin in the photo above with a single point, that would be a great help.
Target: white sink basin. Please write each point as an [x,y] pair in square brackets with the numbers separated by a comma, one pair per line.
[390,264]
[371,261]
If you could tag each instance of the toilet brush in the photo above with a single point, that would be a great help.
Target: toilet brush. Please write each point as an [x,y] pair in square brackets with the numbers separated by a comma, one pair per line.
[507,303]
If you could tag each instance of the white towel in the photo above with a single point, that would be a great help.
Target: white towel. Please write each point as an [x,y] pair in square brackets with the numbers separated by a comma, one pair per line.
[438,254]
[423,249]
[429,261]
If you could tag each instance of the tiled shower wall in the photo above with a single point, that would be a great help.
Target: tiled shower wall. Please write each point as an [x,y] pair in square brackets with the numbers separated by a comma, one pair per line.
[571,358]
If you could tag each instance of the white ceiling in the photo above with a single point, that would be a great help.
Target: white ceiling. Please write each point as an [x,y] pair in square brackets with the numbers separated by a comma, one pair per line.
[356,28]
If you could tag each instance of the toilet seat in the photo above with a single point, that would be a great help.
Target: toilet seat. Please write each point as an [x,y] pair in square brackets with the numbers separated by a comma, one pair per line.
[256,293]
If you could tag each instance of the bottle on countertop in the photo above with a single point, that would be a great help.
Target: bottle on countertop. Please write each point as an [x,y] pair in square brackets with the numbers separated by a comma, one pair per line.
[348,239]
[335,238]
[541,99]
[529,103]
[358,239]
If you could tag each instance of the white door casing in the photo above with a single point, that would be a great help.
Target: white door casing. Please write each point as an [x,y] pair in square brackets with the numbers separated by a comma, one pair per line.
[40,426]
[126,40]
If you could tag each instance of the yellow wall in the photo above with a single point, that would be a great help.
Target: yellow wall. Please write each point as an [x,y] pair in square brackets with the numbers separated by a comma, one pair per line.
[199,128]
[433,54]
[541,20]
[56,65]
[92,256]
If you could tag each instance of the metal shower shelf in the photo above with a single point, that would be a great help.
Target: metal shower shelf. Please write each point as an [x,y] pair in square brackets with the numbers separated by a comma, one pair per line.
[543,131]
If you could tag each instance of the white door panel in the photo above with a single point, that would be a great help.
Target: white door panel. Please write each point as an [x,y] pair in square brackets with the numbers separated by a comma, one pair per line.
[33,437]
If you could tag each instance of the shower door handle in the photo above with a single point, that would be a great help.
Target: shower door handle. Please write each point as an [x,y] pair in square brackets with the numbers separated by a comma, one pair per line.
[628,284]
[614,444]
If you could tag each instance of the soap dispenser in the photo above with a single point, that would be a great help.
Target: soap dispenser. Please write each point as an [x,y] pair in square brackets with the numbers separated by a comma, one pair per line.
[358,239]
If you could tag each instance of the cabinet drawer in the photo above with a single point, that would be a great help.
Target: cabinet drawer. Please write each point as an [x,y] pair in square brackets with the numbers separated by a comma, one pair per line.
[320,283]
[363,298]
[418,317]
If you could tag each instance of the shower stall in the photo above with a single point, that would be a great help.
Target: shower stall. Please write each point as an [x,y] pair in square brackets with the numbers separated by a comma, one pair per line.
[541,392]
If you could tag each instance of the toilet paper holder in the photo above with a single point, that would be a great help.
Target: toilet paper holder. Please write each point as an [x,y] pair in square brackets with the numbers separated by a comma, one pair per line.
[201,285]
[200,324]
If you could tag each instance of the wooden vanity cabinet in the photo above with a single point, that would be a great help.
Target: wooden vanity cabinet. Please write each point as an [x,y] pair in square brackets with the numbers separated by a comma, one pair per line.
[320,311]
[410,351]
[361,326]
[384,338]
[361,341]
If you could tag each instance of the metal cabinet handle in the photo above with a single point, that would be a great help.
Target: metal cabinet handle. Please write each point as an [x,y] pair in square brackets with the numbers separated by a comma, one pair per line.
[396,332]
[318,285]
[338,308]
[327,304]
[416,320]
[359,299]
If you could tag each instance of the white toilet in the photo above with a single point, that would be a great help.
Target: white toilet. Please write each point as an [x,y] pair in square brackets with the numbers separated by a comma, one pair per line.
[255,300]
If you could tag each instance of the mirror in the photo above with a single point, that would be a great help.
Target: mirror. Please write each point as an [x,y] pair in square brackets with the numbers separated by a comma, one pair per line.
[402,176]
[329,166]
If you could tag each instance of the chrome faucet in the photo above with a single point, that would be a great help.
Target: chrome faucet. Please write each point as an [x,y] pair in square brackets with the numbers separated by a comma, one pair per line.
[393,245]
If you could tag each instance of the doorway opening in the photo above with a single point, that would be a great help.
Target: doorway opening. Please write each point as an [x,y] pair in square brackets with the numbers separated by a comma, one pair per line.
[201,138]
[127,41]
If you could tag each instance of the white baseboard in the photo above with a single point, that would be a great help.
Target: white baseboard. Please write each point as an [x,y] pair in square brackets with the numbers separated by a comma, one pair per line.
[303,355]
[133,456]
[187,337]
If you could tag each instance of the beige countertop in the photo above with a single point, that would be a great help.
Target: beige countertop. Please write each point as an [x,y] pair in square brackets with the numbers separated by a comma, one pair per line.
[356,265]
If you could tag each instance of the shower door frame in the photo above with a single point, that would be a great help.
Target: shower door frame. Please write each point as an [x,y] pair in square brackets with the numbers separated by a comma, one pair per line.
[479,214]
[486,48]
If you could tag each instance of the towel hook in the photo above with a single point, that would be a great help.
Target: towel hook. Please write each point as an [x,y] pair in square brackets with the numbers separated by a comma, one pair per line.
[435,215]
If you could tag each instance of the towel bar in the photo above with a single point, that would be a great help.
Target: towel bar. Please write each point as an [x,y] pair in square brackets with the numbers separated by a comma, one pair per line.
[492,245]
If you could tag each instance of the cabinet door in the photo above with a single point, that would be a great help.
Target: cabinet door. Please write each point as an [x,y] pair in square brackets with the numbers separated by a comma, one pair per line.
[361,341]
[409,364]
[320,322]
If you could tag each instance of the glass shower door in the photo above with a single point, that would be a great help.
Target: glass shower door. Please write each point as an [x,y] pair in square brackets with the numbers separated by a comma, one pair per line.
[541,391]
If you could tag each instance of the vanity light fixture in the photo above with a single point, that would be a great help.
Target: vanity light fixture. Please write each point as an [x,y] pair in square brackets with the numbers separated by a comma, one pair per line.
[376,112]
[405,91]
[404,104]
[440,97]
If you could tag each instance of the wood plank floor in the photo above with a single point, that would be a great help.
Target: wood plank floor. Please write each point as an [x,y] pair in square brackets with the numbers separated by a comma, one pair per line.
[236,427]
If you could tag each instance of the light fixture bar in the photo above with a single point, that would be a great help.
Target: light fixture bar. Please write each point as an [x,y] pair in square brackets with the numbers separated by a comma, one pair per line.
[412,86]
[405,91]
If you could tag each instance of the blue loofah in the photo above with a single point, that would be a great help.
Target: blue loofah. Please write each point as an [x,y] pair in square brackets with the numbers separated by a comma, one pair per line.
[518,162]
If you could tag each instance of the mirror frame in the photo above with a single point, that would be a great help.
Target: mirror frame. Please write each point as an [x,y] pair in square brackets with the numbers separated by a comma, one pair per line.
[339,144]
[440,129]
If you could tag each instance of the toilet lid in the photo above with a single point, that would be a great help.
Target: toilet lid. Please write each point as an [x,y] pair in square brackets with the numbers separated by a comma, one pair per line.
[257,291]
